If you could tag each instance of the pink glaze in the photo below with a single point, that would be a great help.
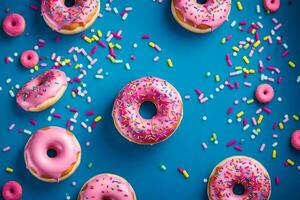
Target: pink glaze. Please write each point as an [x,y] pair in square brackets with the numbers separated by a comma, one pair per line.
[14,25]
[272,5]
[295,139]
[213,13]
[41,88]
[60,16]
[107,186]
[29,59]
[126,114]
[59,139]
[264,93]
[12,190]
[239,170]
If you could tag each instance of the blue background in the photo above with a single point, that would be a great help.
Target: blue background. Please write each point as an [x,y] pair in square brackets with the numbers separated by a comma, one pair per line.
[193,55]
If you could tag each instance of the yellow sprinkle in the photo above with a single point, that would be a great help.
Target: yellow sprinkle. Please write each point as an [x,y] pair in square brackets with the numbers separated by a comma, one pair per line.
[246,46]
[295,117]
[292,64]
[256,44]
[246,60]
[238,68]
[97,119]
[251,71]
[73,94]
[185,174]
[112,59]
[235,48]
[240,114]
[245,70]
[239,6]
[292,163]
[281,126]
[223,40]
[95,37]
[36,68]
[258,130]
[250,101]
[274,153]
[212,139]
[170,63]
[152,44]
[214,136]
[99,33]
[217,78]
[111,45]
[87,39]
[266,38]
[260,118]
[9,170]
[67,60]
[118,46]
[253,31]
[77,66]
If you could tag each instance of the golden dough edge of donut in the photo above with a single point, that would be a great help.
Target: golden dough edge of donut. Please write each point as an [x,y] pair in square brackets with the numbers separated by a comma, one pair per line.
[71,169]
[229,158]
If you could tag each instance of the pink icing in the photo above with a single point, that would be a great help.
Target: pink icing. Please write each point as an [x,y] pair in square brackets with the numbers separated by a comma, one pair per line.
[41,88]
[107,186]
[60,16]
[67,152]
[272,5]
[264,93]
[29,58]
[295,140]
[213,13]
[14,25]
[168,103]
[240,170]
[12,190]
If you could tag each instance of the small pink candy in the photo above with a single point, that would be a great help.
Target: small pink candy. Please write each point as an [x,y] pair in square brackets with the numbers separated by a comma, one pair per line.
[264,93]
[272,5]
[14,25]
[12,190]
[29,58]
[295,139]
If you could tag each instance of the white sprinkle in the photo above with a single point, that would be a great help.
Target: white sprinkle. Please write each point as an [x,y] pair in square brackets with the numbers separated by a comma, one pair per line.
[83,124]
[28,132]
[11,93]
[274,144]
[11,127]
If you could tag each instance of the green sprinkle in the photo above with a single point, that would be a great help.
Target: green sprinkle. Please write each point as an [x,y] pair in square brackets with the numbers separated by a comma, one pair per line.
[90,165]
[163,167]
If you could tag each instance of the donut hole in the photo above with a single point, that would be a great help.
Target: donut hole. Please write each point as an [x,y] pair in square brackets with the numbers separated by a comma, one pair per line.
[106,198]
[14,23]
[148,110]
[29,57]
[238,189]
[69,3]
[52,153]
[265,92]
[201,1]
[272,1]
[11,190]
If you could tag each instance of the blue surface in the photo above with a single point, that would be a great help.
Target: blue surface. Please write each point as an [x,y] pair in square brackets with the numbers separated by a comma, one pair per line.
[193,55]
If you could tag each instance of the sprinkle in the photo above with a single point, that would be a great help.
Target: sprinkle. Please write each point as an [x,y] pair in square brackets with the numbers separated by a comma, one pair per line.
[274,153]
[240,114]
[90,165]
[290,162]
[281,125]
[170,63]
[292,64]
[163,167]
[239,5]
[204,145]
[5,149]
[9,170]
[97,119]
[277,181]
[262,147]
[230,143]
[56,115]
[238,148]
[260,118]
[185,174]
[295,117]
[11,127]
[246,60]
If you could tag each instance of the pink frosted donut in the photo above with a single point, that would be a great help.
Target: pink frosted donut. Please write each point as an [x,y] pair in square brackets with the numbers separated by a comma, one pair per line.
[106,187]
[264,93]
[42,91]
[128,120]
[239,171]
[12,190]
[14,25]
[295,139]
[201,18]
[64,160]
[70,20]
[29,59]
[272,5]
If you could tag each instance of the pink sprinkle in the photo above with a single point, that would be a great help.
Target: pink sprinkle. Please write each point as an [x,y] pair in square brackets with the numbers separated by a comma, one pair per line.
[254,121]
[266,109]
[286,164]
[284,53]
[56,115]
[230,85]
[244,121]
[94,49]
[274,125]
[33,122]
[117,36]
[198,91]
[256,36]
[279,79]
[229,111]
[228,60]
[57,39]
[68,123]
[89,113]
[229,37]
[269,57]
[180,169]
[230,143]
[33,7]
[77,80]
[271,68]
[277,181]
[243,23]
[132,57]
[93,124]
[102,44]
[6,59]
[238,148]
[145,37]
[236,84]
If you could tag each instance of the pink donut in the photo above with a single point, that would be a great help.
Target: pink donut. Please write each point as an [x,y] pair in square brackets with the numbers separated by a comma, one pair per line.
[14,25]
[107,186]
[70,20]
[29,59]
[239,171]
[264,93]
[272,5]
[128,120]
[12,190]
[42,91]
[62,164]
[201,18]
[295,139]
